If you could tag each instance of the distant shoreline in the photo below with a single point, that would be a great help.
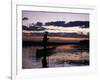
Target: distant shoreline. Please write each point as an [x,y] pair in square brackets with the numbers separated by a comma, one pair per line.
[38,43]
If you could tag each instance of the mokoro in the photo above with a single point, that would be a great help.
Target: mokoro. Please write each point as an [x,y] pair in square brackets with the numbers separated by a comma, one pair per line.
[45,52]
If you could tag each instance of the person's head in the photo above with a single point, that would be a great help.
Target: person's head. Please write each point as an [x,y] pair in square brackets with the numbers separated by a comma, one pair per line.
[46,32]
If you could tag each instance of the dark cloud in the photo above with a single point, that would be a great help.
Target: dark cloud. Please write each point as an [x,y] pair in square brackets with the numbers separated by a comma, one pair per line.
[81,24]
[39,24]
[32,28]
[24,27]
[56,23]
[25,18]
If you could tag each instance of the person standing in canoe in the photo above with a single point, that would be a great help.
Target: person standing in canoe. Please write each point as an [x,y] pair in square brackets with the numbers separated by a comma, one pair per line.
[44,58]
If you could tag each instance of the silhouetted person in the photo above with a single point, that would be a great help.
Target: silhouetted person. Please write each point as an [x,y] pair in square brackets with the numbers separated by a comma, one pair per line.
[44,60]
[45,40]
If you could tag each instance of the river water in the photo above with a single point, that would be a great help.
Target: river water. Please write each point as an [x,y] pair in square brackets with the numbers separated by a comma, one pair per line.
[58,56]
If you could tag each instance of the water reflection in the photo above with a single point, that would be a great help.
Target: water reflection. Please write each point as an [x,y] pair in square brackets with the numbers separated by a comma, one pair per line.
[54,56]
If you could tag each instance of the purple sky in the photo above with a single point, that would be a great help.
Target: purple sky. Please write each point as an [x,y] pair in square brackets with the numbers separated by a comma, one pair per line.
[36,16]
[53,16]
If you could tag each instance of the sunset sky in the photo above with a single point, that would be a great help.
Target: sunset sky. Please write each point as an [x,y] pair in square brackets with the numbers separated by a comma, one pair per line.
[35,16]
[32,17]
